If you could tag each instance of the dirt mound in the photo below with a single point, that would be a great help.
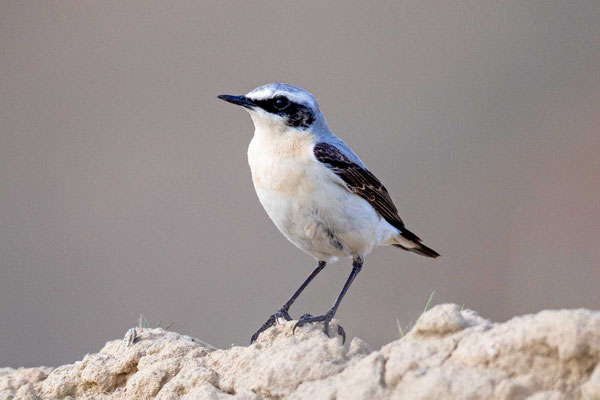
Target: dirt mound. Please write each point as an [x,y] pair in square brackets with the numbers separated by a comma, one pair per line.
[450,353]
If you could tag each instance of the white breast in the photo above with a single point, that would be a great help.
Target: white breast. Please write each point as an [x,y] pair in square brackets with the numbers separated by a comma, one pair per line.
[281,162]
[307,202]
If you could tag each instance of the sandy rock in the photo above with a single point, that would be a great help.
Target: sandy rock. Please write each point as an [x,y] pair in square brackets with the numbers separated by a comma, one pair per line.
[138,371]
[358,347]
[19,383]
[591,389]
[11,379]
[443,320]
[26,392]
[279,362]
[550,395]
[450,353]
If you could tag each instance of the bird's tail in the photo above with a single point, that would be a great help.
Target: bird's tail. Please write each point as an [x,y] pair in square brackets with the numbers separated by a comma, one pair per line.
[407,240]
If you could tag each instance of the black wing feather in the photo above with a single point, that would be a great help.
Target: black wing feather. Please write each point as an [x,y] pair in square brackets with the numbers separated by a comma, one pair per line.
[363,183]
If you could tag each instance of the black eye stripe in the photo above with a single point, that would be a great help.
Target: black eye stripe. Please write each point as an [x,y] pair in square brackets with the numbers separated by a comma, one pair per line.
[298,115]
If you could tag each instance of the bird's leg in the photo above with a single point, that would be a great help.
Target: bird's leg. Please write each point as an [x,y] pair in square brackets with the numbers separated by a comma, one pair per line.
[283,311]
[357,264]
[312,275]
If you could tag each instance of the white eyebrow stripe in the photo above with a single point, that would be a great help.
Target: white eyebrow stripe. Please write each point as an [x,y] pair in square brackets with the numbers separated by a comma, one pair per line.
[260,94]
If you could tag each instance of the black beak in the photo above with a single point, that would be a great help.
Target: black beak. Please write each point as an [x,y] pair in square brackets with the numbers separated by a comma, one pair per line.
[239,100]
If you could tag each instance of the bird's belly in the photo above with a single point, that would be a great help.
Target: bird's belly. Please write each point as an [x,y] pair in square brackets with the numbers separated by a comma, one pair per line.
[309,204]
[323,218]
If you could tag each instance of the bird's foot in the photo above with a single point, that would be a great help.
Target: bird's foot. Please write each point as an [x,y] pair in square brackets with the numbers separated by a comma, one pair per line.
[280,314]
[325,319]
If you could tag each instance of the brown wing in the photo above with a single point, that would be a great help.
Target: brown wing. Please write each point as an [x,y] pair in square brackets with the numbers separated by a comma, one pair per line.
[360,181]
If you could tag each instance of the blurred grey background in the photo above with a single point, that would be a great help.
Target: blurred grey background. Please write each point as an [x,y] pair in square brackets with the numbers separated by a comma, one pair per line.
[124,185]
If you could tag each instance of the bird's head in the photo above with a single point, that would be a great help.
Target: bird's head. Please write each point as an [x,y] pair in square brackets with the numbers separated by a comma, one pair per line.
[280,107]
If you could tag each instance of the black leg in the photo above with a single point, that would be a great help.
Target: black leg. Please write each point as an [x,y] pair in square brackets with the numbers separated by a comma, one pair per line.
[357,264]
[283,311]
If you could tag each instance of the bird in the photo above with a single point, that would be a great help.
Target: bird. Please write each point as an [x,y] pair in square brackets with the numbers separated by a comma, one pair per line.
[316,190]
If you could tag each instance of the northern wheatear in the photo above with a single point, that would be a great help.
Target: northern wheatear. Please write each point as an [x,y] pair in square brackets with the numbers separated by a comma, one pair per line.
[314,188]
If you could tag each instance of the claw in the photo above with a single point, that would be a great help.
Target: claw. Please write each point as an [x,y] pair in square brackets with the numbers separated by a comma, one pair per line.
[281,313]
[301,321]
[326,318]
[342,333]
